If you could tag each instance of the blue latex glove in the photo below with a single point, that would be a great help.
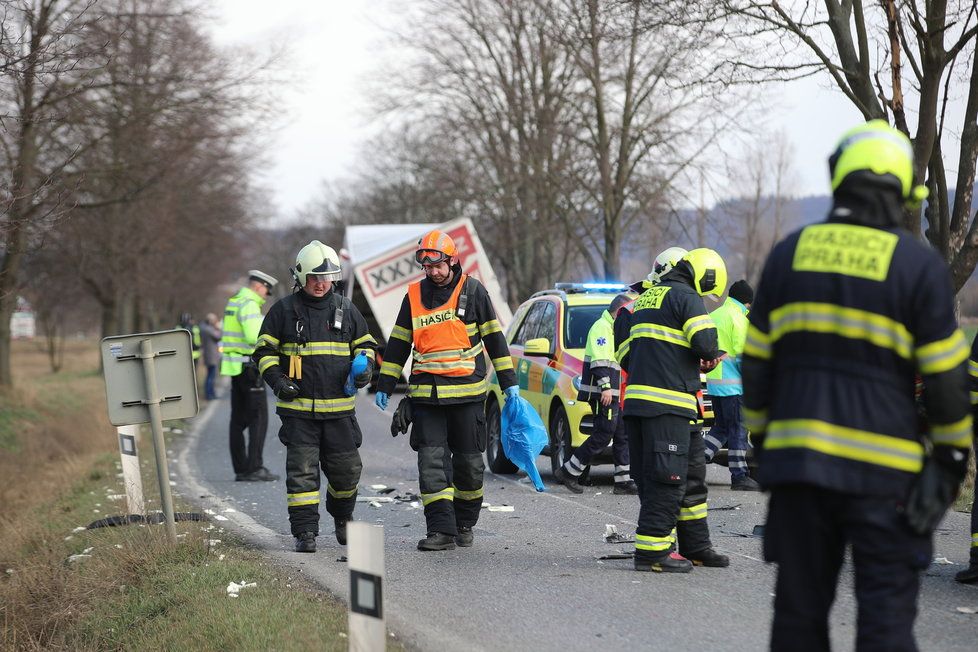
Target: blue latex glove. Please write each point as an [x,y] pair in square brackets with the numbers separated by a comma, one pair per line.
[513,391]
[381,400]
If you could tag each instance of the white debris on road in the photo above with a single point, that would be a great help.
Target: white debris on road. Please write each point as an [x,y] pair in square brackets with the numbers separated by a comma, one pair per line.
[501,508]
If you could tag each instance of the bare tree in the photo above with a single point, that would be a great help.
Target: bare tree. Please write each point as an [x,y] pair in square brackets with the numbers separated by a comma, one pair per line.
[909,62]
[44,68]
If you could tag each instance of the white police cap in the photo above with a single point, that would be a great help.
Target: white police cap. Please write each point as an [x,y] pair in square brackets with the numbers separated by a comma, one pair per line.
[269,280]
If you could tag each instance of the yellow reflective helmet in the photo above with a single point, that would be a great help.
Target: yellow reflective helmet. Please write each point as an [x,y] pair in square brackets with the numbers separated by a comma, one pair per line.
[709,271]
[665,261]
[878,148]
[317,258]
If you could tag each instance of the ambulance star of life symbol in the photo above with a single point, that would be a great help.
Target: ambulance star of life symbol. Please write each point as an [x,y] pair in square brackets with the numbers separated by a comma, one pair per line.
[602,341]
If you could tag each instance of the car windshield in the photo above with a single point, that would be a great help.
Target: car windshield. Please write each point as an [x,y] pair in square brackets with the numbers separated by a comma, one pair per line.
[578,322]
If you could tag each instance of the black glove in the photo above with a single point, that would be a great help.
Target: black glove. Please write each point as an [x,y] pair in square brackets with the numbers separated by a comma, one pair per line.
[285,388]
[935,489]
[362,380]
[402,417]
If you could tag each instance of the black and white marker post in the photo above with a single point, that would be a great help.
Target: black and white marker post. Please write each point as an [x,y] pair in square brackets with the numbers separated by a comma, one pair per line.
[365,552]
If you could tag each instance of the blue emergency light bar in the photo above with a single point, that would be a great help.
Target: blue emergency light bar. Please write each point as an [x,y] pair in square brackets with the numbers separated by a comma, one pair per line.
[591,287]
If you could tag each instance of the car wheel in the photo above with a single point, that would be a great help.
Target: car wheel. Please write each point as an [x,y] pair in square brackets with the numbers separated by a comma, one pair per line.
[496,459]
[560,439]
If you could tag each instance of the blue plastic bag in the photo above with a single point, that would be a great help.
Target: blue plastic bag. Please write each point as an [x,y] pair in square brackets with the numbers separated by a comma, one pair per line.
[523,437]
[357,367]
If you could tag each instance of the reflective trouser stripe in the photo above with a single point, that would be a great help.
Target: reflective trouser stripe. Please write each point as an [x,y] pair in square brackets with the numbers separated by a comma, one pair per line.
[574,466]
[304,498]
[623,473]
[654,544]
[462,494]
[974,538]
[444,494]
[336,493]
[693,513]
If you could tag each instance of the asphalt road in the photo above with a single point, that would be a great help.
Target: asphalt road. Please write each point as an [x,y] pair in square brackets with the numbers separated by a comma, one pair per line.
[533,580]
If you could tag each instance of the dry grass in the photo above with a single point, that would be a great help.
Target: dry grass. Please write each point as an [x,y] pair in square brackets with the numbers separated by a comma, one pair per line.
[57,424]
[130,590]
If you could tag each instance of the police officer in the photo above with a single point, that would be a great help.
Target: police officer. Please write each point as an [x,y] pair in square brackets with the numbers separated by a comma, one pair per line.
[726,389]
[305,350]
[448,319]
[600,384]
[249,408]
[847,312]
[970,574]
[662,345]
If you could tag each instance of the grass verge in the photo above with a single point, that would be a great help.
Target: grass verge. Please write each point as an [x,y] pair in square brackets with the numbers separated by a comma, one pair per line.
[63,587]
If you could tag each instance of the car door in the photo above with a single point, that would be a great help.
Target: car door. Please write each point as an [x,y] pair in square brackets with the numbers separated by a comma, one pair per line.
[527,367]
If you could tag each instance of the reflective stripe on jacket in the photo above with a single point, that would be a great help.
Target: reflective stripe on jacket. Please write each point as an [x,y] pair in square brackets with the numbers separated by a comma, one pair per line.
[731,322]
[242,322]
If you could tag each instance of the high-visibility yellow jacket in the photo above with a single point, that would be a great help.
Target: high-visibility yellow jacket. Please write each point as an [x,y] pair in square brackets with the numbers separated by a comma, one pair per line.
[242,323]
[731,321]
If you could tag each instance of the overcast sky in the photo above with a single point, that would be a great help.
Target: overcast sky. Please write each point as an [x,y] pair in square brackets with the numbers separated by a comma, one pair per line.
[335,44]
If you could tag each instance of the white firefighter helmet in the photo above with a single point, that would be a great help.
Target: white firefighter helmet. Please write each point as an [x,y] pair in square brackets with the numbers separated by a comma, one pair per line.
[317,258]
[665,261]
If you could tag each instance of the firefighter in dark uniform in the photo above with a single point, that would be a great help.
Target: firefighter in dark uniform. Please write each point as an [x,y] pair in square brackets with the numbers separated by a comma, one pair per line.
[970,574]
[846,314]
[305,349]
[600,387]
[448,319]
[662,345]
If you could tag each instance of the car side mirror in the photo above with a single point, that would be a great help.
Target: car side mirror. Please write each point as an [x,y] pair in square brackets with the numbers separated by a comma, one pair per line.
[539,346]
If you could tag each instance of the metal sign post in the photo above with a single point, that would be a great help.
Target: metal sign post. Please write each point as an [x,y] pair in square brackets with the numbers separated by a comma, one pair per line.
[365,551]
[131,476]
[162,387]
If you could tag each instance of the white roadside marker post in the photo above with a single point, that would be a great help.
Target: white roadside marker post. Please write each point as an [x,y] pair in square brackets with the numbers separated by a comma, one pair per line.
[131,477]
[365,553]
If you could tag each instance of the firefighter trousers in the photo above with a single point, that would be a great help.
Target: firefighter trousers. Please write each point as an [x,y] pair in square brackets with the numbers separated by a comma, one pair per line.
[806,534]
[608,427]
[249,411]
[670,470]
[451,440]
[313,443]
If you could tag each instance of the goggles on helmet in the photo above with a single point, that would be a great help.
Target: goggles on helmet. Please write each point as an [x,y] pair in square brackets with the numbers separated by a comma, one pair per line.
[319,278]
[430,257]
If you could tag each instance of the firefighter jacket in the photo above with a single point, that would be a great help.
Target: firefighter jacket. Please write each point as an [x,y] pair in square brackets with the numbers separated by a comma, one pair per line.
[601,370]
[847,312]
[314,339]
[446,331]
[242,321]
[731,321]
[660,345]
[973,375]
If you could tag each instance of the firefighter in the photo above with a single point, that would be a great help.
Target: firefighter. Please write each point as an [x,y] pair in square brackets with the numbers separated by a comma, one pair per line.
[970,574]
[305,351]
[726,388]
[187,322]
[662,345]
[600,383]
[249,407]
[847,312]
[449,320]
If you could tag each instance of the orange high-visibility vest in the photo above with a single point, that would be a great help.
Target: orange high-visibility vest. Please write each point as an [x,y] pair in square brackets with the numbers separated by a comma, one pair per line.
[441,342]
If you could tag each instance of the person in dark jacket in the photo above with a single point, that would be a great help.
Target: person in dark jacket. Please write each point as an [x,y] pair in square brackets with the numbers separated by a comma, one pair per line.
[846,314]
[305,350]
[445,324]
[662,345]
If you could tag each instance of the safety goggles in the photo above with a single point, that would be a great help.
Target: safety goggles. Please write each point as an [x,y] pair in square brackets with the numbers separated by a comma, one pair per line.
[320,278]
[430,257]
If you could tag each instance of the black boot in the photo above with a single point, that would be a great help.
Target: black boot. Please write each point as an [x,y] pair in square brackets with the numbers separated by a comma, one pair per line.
[710,558]
[305,542]
[671,563]
[626,488]
[568,480]
[437,541]
[465,537]
[969,575]
[340,525]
